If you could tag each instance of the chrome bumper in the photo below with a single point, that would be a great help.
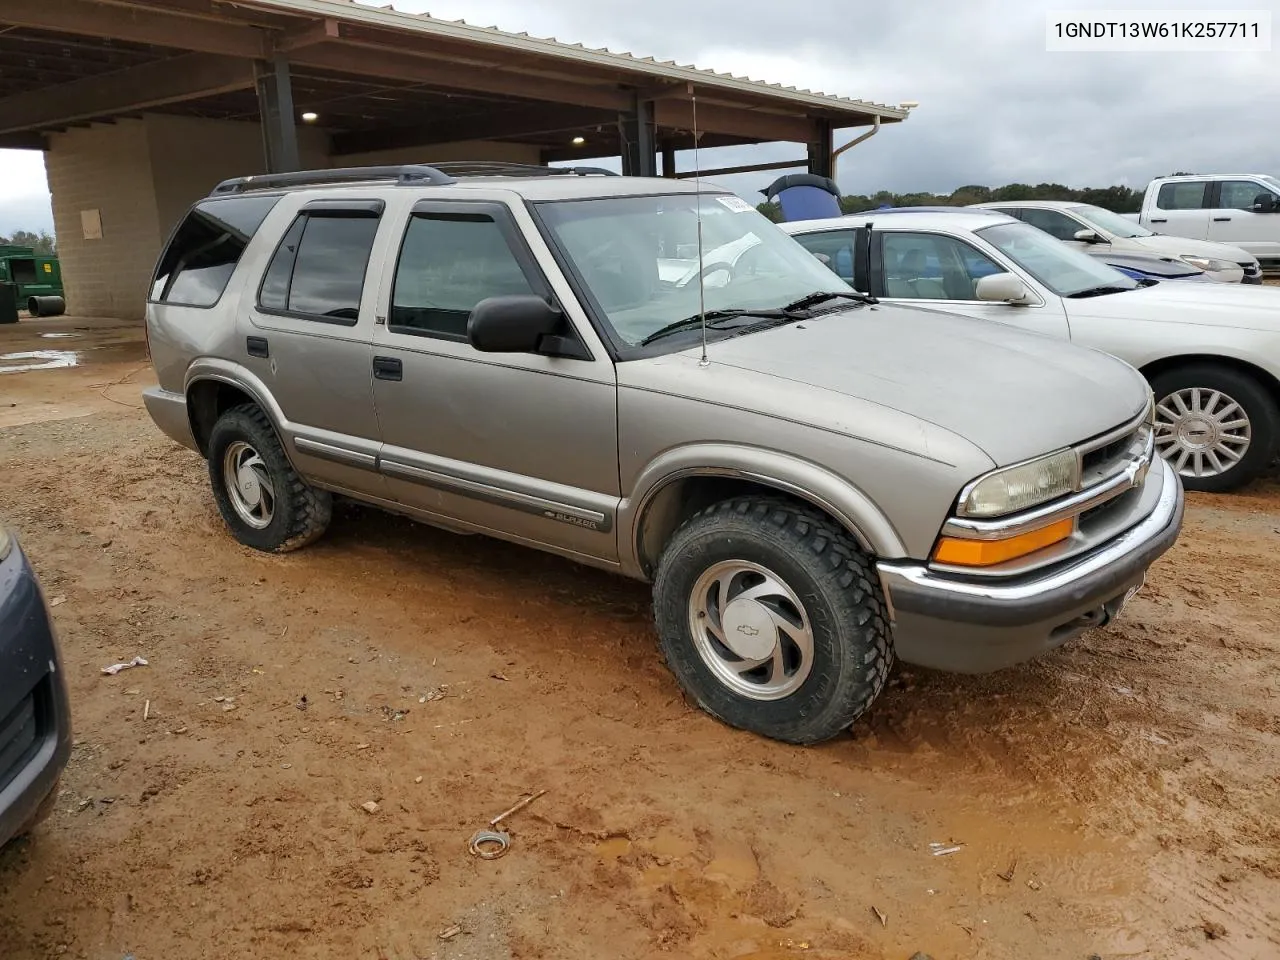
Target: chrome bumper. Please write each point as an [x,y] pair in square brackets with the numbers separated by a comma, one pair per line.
[971,626]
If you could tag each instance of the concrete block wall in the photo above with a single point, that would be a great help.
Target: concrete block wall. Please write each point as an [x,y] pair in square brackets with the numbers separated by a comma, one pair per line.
[104,168]
[142,176]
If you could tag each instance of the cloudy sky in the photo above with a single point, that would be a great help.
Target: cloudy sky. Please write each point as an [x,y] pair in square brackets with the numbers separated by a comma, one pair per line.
[995,107]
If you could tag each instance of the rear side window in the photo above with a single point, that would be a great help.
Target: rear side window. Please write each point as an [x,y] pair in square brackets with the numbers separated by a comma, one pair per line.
[203,252]
[318,271]
[1182,195]
[1052,222]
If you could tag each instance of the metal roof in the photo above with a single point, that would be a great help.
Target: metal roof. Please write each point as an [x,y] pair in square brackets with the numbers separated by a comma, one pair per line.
[387,17]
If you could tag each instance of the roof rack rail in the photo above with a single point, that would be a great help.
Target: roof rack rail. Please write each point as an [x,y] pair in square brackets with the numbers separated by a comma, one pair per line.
[500,168]
[413,173]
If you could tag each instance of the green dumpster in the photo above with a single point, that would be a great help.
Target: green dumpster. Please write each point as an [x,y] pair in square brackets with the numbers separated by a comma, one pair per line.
[34,274]
[8,303]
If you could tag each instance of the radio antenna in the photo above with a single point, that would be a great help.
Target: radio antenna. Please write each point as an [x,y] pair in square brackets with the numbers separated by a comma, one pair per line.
[697,185]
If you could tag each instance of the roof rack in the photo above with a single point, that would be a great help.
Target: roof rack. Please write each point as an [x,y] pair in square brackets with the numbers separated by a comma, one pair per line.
[500,168]
[438,175]
[404,174]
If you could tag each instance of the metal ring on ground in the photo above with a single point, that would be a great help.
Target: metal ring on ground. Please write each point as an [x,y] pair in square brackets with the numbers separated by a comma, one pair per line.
[487,839]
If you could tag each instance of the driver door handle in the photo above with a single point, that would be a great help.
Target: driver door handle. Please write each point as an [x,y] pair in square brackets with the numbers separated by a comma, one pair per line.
[1221,219]
[388,368]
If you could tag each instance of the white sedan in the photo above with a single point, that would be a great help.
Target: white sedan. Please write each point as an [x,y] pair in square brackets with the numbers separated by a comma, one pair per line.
[1210,351]
[1095,230]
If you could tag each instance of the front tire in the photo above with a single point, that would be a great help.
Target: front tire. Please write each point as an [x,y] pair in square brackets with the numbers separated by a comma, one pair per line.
[772,620]
[1217,427]
[262,499]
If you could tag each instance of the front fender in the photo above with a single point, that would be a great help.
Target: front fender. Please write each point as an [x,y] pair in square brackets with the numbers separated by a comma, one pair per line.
[852,508]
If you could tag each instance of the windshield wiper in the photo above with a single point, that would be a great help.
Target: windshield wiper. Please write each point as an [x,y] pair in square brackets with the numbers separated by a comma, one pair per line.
[1098,291]
[715,321]
[822,296]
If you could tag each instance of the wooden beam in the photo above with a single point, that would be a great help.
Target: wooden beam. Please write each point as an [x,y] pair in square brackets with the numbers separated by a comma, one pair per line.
[184,77]
[346,57]
[501,124]
[735,121]
[165,29]
[321,31]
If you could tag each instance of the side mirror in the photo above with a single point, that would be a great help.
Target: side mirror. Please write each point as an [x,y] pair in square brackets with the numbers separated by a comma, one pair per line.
[823,259]
[522,323]
[1087,236]
[1001,288]
[1265,203]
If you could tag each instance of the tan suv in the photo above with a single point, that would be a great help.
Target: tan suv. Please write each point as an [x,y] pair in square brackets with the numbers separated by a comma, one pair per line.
[812,481]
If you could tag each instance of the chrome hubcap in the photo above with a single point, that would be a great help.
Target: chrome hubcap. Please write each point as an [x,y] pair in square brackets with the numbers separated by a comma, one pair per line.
[249,485]
[751,630]
[1202,432]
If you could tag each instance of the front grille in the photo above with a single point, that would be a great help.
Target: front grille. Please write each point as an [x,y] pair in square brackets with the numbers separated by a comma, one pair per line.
[19,733]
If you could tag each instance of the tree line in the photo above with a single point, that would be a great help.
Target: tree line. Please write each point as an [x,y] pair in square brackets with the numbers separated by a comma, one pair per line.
[1119,199]
[43,241]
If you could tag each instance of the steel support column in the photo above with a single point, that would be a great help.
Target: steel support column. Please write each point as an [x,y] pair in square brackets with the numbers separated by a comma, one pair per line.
[668,159]
[639,148]
[820,149]
[275,107]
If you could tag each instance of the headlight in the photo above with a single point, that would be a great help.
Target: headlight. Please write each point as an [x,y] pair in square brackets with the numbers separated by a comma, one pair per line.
[1209,264]
[6,543]
[1022,486]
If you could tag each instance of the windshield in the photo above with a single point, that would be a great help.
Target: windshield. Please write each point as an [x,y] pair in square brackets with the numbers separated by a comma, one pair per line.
[1111,222]
[639,258]
[1062,269]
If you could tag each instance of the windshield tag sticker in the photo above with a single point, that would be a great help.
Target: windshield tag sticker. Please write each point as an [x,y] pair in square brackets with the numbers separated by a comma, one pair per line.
[735,204]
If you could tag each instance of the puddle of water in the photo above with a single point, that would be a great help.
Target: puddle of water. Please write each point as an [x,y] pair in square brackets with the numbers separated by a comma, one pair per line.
[60,336]
[615,848]
[38,360]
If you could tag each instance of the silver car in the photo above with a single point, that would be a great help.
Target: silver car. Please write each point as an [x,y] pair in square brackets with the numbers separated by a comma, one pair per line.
[814,482]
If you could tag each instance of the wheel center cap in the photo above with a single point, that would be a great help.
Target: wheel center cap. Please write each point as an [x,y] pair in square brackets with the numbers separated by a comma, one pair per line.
[249,487]
[1198,432]
[749,629]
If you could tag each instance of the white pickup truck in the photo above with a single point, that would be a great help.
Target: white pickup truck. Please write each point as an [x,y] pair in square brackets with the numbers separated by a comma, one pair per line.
[1239,209]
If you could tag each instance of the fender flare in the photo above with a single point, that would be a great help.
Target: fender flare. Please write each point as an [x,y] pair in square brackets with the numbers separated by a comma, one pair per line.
[808,481]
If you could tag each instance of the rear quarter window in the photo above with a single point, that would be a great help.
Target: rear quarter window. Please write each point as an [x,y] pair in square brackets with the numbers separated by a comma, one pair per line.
[202,254]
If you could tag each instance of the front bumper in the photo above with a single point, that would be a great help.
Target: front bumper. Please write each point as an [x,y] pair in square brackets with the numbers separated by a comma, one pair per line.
[969,626]
[35,720]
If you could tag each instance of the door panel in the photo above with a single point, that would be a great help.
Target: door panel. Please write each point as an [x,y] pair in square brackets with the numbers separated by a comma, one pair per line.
[313,318]
[1181,210]
[1232,220]
[523,445]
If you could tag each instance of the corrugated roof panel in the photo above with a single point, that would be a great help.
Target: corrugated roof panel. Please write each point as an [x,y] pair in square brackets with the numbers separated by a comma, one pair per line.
[388,17]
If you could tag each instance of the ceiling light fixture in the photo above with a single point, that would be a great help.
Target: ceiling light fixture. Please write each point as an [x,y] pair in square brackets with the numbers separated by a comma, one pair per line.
[579,141]
[310,117]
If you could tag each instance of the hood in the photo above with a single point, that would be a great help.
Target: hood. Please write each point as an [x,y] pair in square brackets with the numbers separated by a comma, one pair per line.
[1012,394]
[1182,247]
[1239,305]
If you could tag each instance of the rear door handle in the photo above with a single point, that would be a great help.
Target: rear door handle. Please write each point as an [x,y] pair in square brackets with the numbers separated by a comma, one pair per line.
[257,347]
[388,368]
[1159,219]
[1221,219]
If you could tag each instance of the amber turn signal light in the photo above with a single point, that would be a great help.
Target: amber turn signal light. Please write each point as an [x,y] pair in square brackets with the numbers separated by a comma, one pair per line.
[958,552]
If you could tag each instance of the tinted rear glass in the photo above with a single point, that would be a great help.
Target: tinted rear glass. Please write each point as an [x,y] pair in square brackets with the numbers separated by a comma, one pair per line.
[204,251]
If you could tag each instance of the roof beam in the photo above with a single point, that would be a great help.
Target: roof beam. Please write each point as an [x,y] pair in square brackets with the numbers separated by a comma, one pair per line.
[734,121]
[135,25]
[346,57]
[154,84]
[321,31]
[503,124]
[741,168]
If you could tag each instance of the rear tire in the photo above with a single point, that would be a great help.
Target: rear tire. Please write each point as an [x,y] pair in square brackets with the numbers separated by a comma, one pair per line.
[262,499]
[764,581]
[1217,427]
